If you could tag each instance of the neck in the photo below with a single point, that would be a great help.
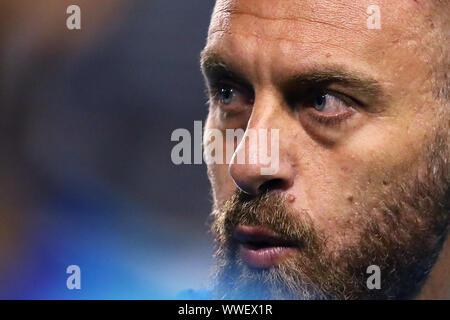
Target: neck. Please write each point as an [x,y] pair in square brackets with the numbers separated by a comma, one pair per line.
[437,286]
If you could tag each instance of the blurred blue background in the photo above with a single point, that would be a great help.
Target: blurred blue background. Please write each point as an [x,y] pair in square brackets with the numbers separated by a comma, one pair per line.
[85,171]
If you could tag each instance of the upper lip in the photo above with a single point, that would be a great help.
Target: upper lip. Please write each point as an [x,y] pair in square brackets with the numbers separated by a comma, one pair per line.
[259,237]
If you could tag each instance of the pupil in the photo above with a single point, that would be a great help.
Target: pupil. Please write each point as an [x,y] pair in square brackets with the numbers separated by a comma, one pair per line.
[320,102]
[227,95]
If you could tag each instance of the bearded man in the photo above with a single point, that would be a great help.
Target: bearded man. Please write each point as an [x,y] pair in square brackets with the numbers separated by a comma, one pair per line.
[363,177]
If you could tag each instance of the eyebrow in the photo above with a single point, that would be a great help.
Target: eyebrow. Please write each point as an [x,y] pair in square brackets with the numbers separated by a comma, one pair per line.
[215,67]
[325,76]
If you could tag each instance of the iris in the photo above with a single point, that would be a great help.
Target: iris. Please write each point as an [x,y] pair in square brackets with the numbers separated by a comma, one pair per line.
[320,102]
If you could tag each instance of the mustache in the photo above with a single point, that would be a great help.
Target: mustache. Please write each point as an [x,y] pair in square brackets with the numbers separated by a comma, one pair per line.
[268,210]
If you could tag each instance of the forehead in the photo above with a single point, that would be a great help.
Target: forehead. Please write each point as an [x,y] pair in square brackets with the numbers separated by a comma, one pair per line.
[291,16]
[256,31]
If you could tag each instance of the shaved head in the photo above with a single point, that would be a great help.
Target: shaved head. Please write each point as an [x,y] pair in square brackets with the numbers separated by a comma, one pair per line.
[362,110]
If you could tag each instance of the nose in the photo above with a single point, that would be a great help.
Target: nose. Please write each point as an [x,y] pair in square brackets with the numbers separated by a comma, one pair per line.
[248,178]
[254,175]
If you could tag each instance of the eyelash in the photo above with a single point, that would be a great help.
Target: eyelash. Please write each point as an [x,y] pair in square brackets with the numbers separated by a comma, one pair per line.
[329,120]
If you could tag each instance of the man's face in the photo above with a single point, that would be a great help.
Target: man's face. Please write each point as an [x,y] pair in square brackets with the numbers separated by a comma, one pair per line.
[363,171]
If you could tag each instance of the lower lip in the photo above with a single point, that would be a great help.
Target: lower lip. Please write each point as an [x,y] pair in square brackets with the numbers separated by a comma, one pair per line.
[263,258]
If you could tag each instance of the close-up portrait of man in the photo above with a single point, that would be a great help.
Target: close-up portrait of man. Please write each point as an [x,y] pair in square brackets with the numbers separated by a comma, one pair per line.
[358,94]
[225,150]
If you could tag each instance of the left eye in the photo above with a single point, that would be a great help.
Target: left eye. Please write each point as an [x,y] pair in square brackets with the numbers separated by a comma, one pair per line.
[329,104]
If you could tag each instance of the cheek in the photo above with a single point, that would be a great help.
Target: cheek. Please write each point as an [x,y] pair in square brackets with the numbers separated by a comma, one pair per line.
[345,187]
[222,185]
[331,193]
[336,188]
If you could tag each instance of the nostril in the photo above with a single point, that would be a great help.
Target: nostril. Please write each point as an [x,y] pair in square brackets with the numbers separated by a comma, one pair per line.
[272,184]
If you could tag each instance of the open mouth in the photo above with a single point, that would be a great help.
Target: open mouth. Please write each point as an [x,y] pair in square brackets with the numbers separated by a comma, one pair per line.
[260,247]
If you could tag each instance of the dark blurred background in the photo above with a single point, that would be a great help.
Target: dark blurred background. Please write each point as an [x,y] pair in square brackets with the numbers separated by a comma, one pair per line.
[86,176]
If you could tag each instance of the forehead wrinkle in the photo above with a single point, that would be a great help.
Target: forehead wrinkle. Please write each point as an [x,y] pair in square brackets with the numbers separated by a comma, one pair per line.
[309,33]
[348,17]
[295,41]
[295,20]
[350,22]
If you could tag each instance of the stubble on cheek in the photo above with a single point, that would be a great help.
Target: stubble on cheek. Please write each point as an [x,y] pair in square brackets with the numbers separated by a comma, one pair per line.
[400,229]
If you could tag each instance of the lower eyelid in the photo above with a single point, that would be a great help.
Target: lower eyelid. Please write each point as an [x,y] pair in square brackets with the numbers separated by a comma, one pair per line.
[322,119]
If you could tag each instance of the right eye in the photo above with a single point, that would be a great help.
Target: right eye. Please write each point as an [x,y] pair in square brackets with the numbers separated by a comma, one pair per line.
[232,98]
[226,95]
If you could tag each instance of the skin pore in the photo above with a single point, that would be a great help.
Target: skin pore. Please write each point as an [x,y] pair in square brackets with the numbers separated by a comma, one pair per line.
[364,145]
